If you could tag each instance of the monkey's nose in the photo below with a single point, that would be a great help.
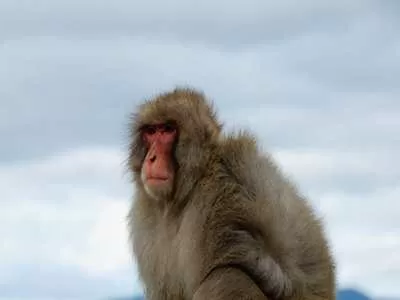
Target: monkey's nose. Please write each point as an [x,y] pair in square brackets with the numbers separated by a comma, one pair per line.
[153,158]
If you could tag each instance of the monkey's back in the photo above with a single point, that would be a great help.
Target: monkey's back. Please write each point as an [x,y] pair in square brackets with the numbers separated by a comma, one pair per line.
[280,218]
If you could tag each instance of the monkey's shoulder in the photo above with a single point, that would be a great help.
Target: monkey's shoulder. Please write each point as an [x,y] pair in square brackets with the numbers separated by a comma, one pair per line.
[256,175]
[242,158]
[239,144]
[237,150]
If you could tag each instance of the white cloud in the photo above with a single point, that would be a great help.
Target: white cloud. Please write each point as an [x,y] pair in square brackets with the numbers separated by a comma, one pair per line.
[107,245]
[63,209]
[225,22]
[327,165]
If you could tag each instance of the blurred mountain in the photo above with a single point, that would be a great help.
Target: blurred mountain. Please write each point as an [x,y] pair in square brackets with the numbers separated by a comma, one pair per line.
[351,294]
[128,298]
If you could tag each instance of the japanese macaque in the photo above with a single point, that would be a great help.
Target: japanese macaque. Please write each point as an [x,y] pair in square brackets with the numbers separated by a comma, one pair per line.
[213,217]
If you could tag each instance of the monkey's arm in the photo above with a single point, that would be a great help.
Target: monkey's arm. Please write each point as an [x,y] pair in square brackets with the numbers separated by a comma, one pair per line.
[228,283]
[235,251]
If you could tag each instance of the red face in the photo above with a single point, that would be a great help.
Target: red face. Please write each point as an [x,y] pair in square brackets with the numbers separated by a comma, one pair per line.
[158,168]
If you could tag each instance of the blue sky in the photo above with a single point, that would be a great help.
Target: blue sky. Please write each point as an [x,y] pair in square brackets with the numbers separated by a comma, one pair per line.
[318,83]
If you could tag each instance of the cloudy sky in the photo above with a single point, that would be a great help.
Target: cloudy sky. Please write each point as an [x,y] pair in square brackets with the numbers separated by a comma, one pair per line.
[318,82]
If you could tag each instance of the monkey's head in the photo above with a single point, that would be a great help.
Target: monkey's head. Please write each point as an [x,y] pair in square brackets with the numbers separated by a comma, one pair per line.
[172,137]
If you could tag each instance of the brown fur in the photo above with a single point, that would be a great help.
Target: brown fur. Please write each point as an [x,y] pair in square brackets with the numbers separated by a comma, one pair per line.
[234,227]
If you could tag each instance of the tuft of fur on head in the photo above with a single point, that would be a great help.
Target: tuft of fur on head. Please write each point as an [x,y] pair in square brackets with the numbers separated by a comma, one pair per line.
[198,132]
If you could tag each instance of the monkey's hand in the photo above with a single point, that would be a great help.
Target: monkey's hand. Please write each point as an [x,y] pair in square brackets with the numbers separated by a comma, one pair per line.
[228,283]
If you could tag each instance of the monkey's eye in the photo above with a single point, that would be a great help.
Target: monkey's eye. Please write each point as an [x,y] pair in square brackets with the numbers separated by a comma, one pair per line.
[169,128]
[149,130]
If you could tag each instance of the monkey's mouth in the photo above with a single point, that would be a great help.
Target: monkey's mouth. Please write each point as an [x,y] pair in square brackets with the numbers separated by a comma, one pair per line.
[156,179]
